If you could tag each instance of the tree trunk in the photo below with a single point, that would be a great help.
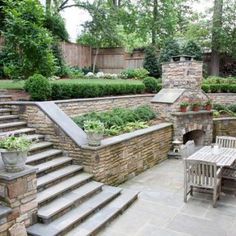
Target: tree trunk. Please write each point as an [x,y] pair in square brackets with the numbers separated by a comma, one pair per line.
[95,59]
[216,28]
[48,6]
[154,23]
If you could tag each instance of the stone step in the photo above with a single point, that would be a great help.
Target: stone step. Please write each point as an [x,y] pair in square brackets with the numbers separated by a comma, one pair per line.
[62,187]
[6,118]
[39,146]
[5,111]
[6,126]
[18,132]
[98,220]
[78,214]
[48,212]
[52,165]
[57,175]
[35,137]
[5,98]
[42,156]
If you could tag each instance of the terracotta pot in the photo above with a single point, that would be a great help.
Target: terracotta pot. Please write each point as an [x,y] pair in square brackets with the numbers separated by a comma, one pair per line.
[208,107]
[183,109]
[196,108]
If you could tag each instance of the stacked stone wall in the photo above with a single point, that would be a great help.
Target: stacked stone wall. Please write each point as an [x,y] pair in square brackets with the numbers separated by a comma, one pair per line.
[224,127]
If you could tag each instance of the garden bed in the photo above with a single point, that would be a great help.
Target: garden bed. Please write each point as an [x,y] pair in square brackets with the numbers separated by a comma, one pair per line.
[120,120]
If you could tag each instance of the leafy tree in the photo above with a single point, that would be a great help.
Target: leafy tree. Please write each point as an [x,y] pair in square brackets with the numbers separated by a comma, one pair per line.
[100,32]
[2,15]
[27,43]
[56,25]
[192,49]
[170,49]
[151,62]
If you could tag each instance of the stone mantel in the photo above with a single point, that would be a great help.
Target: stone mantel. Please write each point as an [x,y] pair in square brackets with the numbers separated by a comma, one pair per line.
[190,113]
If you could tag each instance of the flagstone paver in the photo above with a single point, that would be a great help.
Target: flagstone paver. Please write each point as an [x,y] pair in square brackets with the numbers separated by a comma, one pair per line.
[160,210]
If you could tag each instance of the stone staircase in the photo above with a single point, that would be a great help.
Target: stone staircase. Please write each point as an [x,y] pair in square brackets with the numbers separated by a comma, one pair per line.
[70,202]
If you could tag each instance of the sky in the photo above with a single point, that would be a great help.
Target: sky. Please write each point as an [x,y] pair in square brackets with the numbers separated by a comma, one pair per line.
[76,17]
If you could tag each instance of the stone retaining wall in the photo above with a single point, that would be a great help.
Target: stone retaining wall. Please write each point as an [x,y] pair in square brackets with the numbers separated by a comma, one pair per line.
[118,159]
[223,98]
[224,126]
[82,106]
[128,155]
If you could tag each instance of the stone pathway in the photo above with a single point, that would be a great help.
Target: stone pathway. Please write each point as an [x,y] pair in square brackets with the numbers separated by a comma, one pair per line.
[160,210]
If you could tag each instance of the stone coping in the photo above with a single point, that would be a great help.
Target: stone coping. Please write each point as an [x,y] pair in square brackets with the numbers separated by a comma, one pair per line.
[12,176]
[4,211]
[224,118]
[189,113]
[127,136]
[104,98]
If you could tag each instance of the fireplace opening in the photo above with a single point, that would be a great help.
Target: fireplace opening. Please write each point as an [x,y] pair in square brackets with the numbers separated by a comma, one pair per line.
[196,135]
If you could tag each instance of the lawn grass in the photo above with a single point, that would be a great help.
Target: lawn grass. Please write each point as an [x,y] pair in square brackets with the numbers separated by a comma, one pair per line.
[9,84]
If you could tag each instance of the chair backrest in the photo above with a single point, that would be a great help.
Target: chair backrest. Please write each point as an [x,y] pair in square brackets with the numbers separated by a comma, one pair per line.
[200,173]
[226,141]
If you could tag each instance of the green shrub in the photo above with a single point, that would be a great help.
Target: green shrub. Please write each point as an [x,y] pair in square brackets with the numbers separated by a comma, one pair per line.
[151,62]
[38,87]
[150,84]
[66,91]
[219,88]
[139,73]
[119,119]
[220,80]
[170,49]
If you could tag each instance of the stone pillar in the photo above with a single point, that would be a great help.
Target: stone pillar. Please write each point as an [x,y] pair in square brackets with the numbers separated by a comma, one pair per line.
[18,193]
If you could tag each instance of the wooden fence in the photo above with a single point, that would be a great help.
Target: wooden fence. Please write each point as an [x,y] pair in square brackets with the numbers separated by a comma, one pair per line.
[76,55]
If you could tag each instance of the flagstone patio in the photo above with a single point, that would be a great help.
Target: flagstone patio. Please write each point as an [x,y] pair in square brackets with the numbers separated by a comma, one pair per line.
[161,211]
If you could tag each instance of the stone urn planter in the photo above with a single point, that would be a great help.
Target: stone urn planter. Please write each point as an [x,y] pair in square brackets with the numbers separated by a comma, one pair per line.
[14,152]
[14,161]
[95,131]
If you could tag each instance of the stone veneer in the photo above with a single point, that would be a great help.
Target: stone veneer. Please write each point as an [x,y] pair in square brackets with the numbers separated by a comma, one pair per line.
[76,107]
[185,122]
[224,126]
[182,74]
[223,98]
[18,193]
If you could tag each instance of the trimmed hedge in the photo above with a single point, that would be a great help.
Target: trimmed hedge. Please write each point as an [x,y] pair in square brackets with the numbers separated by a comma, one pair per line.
[68,91]
[219,88]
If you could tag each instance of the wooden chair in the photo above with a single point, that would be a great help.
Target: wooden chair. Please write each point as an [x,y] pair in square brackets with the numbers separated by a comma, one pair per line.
[188,149]
[228,142]
[204,175]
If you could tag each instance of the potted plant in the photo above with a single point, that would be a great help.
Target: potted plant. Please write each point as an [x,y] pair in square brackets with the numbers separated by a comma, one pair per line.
[14,152]
[208,105]
[94,130]
[196,106]
[183,106]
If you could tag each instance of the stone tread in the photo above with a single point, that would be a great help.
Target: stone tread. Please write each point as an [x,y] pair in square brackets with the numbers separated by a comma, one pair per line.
[52,164]
[18,131]
[105,215]
[35,137]
[2,110]
[76,215]
[55,175]
[62,187]
[40,145]
[43,155]
[9,117]
[12,124]
[68,199]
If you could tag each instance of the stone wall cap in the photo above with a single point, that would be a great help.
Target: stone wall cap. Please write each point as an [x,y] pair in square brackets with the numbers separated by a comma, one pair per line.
[224,118]
[127,136]
[4,211]
[188,113]
[12,176]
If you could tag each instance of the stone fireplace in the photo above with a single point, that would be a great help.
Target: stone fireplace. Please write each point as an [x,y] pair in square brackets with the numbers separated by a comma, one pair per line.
[182,79]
